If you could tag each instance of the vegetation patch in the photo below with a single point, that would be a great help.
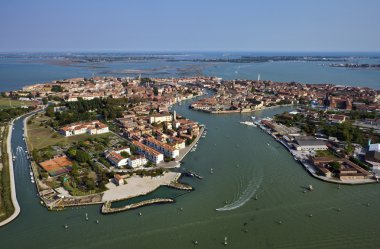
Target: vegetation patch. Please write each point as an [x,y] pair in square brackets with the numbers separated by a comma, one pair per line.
[6,205]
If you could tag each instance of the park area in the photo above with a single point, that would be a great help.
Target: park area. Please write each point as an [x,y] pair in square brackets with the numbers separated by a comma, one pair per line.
[6,103]
[75,163]
[41,135]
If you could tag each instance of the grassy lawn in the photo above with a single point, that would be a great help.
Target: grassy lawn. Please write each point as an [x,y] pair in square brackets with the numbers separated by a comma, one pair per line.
[325,153]
[7,103]
[40,136]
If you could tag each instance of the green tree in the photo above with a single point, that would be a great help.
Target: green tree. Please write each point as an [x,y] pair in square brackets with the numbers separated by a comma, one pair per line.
[124,154]
[335,165]
[155,91]
[72,152]
[82,156]
[56,88]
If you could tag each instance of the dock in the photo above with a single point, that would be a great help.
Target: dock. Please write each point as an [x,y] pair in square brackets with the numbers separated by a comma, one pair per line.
[192,174]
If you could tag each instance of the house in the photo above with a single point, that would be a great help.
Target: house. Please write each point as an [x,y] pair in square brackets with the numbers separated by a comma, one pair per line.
[118,180]
[115,157]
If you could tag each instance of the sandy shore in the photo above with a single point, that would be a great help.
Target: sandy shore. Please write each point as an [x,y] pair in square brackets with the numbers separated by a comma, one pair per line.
[137,186]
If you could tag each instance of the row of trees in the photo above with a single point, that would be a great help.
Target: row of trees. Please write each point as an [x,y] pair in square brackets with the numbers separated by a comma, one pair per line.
[84,110]
[8,114]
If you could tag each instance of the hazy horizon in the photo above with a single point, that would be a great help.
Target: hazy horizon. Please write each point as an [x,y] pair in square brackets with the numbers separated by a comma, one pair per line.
[187,26]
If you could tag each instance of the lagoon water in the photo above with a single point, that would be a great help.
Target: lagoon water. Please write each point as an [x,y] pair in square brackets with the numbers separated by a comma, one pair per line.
[20,71]
[246,163]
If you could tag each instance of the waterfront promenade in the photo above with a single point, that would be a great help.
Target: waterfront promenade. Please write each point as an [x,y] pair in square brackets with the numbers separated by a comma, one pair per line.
[137,186]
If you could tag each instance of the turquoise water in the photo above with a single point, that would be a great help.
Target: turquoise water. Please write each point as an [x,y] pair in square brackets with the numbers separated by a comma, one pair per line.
[244,166]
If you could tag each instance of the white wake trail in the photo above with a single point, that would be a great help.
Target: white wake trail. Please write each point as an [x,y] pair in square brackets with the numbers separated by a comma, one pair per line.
[248,193]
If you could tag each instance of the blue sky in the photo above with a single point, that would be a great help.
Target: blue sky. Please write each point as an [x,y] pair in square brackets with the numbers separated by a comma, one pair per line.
[184,25]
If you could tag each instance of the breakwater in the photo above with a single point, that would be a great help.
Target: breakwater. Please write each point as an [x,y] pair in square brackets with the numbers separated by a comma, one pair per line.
[107,209]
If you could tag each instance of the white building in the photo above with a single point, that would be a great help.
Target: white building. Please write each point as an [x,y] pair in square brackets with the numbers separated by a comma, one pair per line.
[160,117]
[137,161]
[115,157]
[310,144]
[92,127]
[374,147]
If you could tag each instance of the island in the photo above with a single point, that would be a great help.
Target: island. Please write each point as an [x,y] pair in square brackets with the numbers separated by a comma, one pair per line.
[105,139]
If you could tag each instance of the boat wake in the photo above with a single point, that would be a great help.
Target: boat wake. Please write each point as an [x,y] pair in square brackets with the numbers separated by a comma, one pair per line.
[247,194]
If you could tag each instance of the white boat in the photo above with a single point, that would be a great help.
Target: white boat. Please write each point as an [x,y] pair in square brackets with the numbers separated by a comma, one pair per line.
[249,123]
[225,240]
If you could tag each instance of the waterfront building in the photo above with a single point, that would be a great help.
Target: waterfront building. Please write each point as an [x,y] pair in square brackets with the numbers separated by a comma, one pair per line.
[373,158]
[166,149]
[307,144]
[92,127]
[150,154]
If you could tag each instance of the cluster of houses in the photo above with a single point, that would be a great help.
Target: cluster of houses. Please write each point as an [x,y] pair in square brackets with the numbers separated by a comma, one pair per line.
[150,141]
[159,135]
[169,90]
[153,137]
[249,95]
